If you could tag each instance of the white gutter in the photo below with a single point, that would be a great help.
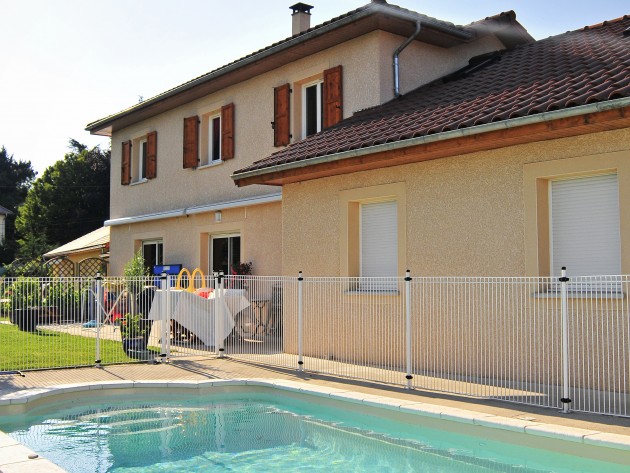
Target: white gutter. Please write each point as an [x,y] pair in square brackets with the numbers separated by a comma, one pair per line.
[447,135]
[249,201]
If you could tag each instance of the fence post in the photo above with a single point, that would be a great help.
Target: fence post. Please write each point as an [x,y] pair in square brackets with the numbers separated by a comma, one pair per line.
[98,306]
[221,317]
[164,335]
[565,400]
[169,314]
[300,322]
[409,376]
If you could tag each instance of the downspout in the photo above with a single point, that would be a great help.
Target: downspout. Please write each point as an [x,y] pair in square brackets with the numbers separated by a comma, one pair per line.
[397,53]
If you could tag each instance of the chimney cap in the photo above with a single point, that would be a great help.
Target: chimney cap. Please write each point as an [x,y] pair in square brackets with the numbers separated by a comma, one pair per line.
[301,8]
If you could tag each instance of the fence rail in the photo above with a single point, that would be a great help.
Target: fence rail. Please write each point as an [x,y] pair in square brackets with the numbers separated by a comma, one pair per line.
[552,342]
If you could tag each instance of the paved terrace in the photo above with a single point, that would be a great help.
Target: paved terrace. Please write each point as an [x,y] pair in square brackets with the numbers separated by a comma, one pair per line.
[203,369]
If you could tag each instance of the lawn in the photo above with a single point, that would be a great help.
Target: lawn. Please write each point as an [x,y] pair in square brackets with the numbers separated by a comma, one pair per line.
[47,349]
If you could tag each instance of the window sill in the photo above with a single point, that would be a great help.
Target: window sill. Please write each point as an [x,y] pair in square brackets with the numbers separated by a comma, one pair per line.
[594,294]
[211,165]
[372,292]
[141,181]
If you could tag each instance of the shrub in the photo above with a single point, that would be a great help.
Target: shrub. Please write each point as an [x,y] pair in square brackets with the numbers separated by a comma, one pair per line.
[136,273]
[24,292]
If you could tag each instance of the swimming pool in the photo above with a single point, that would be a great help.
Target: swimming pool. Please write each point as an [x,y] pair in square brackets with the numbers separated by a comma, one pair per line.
[228,427]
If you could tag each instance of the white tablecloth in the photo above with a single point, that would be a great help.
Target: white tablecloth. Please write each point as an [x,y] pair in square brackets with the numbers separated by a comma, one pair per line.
[199,314]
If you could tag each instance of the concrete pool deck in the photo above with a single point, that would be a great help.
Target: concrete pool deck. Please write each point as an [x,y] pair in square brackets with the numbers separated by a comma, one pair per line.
[588,428]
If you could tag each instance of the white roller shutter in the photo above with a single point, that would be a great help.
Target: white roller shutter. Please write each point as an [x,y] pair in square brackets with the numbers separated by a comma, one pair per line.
[379,239]
[585,226]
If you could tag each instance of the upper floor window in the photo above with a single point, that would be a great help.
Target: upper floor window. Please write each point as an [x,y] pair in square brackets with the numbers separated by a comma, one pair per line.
[215,143]
[312,109]
[210,139]
[139,159]
[318,105]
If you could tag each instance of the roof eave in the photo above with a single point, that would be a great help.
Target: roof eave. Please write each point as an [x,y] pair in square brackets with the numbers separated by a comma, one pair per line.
[257,176]
[107,125]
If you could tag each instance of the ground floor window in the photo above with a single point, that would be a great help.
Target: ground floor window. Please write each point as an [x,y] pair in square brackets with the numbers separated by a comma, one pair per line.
[584,221]
[153,253]
[379,239]
[225,253]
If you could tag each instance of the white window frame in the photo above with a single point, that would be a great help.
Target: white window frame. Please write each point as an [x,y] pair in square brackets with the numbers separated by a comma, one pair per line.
[578,286]
[137,161]
[218,236]
[159,243]
[211,119]
[320,88]
[207,159]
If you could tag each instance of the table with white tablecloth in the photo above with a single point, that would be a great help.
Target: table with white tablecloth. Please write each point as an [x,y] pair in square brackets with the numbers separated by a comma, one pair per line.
[199,314]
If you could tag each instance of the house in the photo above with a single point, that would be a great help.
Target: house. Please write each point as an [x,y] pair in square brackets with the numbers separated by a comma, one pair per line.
[87,255]
[516,164]
[4,213]
[173,154]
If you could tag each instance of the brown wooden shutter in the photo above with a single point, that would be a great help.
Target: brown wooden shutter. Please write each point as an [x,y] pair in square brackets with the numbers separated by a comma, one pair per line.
[152,155]
[282,115]
[333,97]
[125,168]
[191,142]
[227,131]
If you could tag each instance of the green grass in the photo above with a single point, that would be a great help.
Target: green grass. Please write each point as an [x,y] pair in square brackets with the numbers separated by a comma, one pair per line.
[47,349]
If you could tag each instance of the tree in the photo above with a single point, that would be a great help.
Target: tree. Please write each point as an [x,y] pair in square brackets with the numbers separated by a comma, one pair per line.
[69,200]
[15,179]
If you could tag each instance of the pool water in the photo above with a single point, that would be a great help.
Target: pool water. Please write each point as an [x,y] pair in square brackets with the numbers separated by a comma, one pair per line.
[261,432]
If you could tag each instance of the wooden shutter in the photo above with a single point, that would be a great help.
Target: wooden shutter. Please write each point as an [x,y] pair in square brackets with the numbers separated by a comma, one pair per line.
[191,142]
[333,97]
[125,168]
[152,155]
[282,115]
[227,131]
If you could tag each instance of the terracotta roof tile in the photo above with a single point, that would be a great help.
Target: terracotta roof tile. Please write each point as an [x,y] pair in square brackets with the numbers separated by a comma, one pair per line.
[575,68]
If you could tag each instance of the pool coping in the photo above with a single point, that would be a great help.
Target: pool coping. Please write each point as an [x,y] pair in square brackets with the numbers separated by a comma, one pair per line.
[15,457]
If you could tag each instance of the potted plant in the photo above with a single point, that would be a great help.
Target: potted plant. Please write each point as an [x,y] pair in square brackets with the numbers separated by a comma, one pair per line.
[135,327]
[241,270]
[134,332]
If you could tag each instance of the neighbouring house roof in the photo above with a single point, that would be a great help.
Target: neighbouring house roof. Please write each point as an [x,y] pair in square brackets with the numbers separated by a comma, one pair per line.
[91,241]
[370,17]
[5,211]
[577,68]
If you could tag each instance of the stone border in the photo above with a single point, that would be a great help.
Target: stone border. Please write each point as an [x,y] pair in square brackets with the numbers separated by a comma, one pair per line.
[15,457]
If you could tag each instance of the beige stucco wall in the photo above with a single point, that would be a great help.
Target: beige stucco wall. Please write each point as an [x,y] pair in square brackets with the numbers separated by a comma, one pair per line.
[185,239]
[367,81]
[472,215]
[422,63]
[467,215]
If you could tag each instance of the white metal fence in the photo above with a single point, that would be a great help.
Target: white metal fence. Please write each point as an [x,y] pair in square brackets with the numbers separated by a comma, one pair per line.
[541,341]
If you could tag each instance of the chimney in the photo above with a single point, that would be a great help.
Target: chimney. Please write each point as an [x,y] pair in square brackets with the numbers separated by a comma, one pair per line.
[301,17]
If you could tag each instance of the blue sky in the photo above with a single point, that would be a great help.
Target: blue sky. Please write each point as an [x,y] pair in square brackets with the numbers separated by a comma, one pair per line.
[65,63]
